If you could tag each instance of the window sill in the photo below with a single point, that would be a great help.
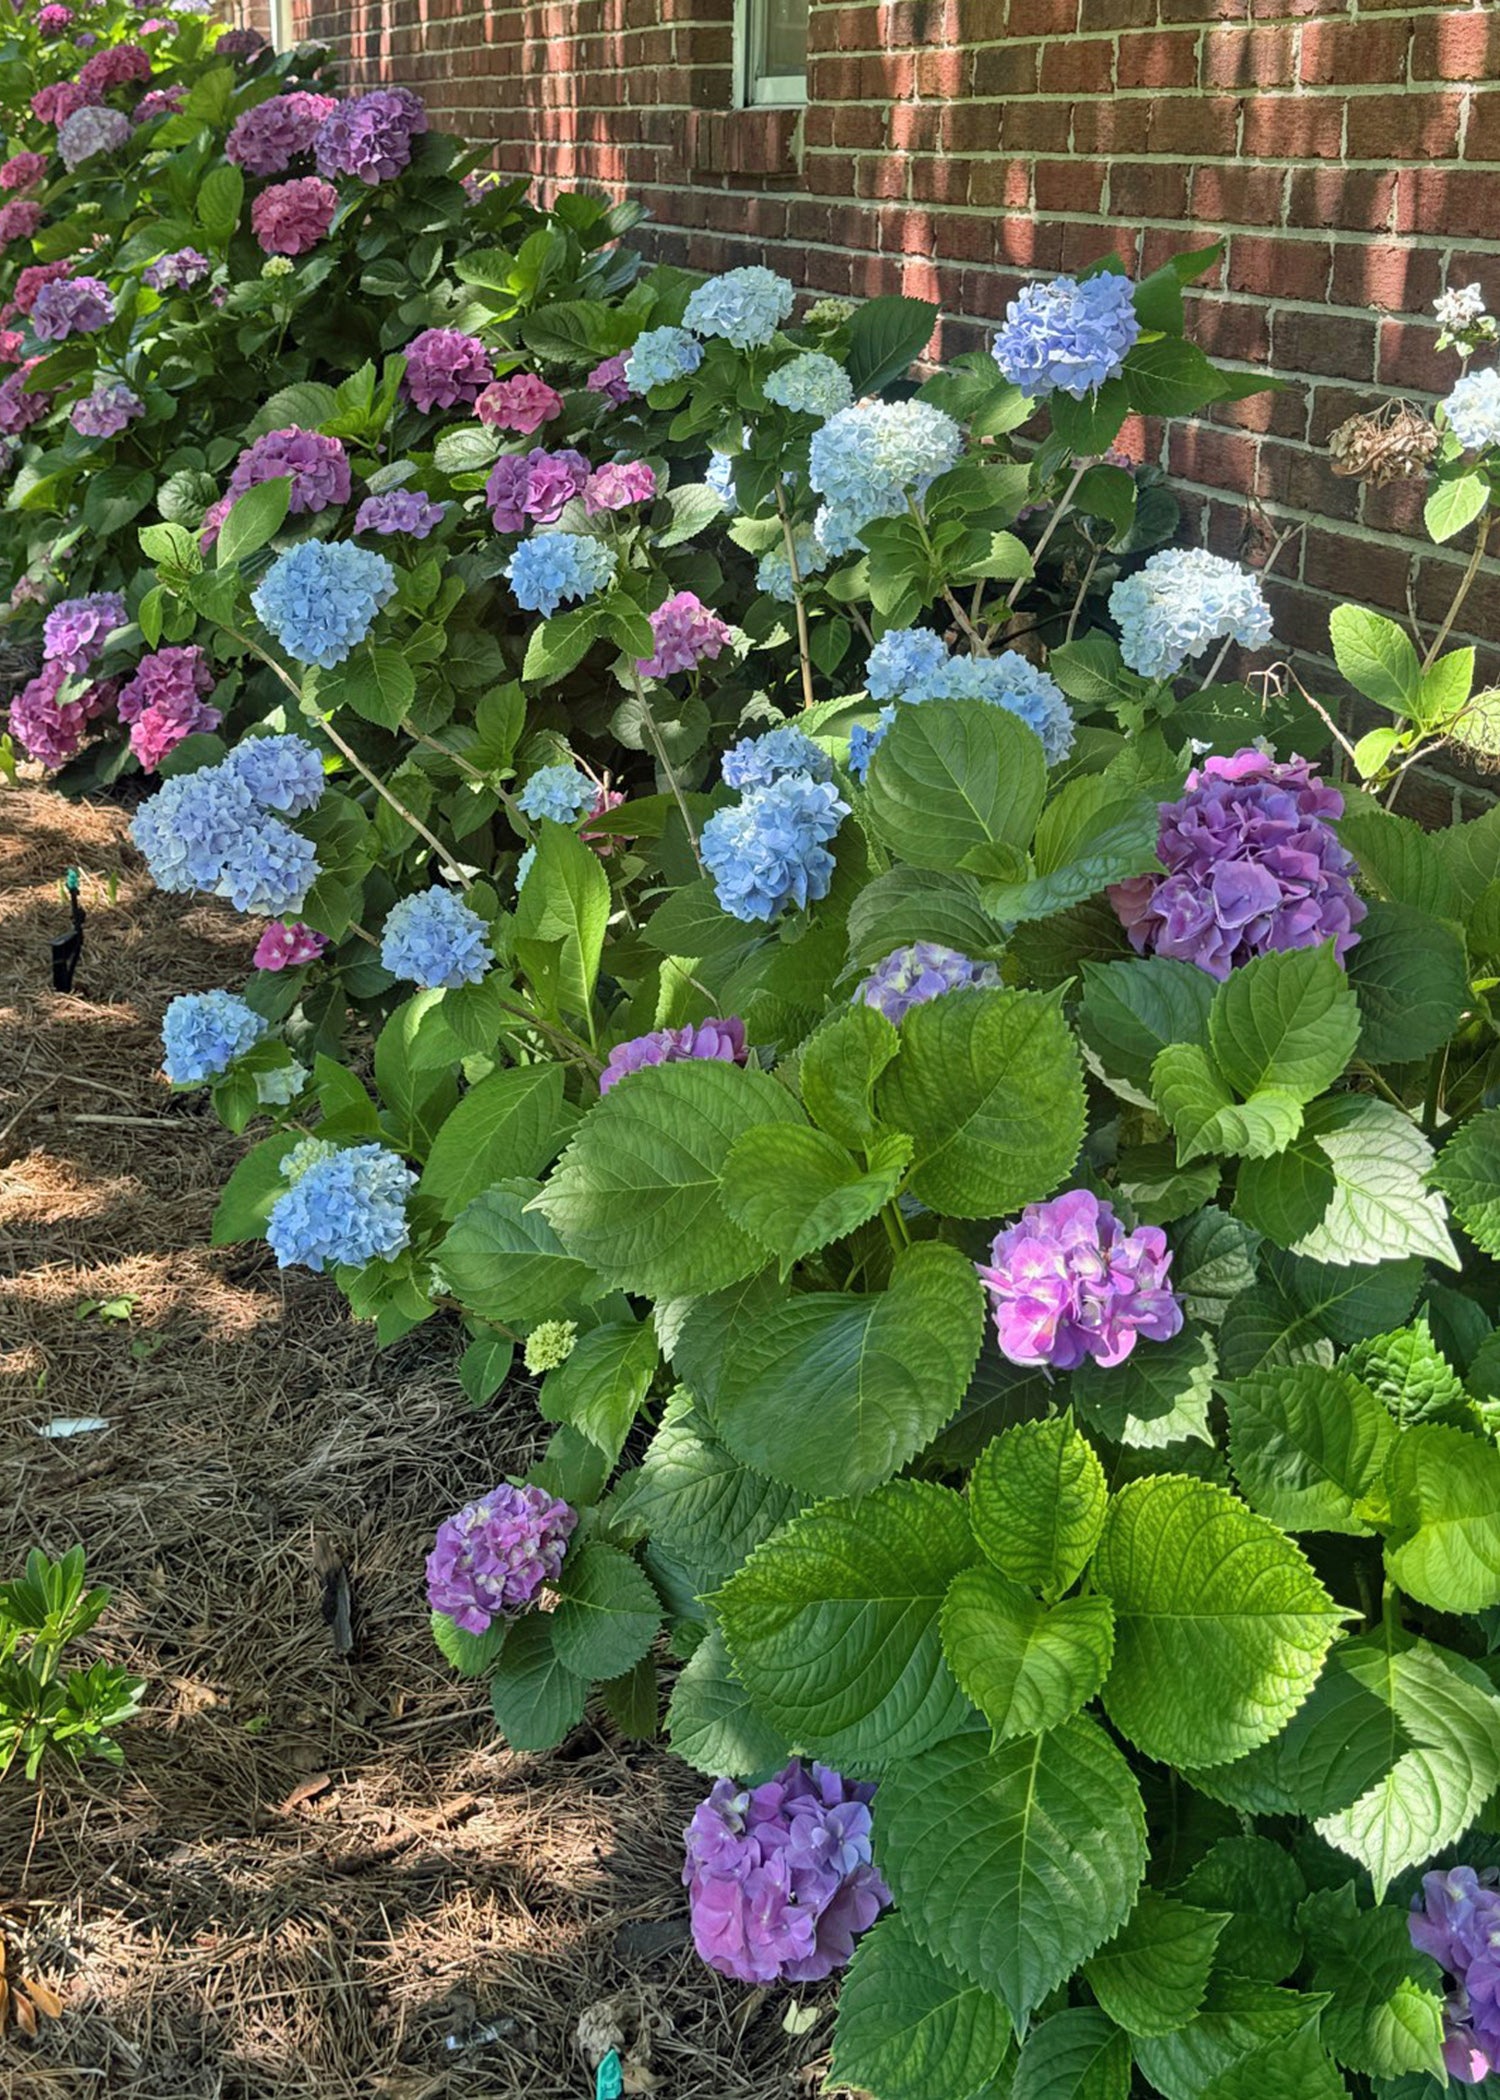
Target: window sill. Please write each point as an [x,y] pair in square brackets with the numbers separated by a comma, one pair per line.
[764,142]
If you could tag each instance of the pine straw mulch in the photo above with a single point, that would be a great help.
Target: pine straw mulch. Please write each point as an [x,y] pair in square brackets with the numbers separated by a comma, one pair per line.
[314,1871]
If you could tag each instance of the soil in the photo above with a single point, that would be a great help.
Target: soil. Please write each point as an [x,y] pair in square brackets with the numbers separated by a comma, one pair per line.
[317,1875]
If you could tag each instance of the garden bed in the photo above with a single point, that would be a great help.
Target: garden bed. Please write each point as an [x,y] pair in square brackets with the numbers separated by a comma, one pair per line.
[211,1933]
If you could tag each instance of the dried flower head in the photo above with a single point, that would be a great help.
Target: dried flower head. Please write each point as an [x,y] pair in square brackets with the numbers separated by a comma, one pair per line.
[1393,443]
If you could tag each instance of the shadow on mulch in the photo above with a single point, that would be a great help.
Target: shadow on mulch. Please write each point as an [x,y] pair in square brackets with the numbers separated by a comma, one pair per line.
[313,1871]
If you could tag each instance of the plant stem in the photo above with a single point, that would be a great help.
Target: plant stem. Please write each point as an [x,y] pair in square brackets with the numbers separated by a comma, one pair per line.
[1432,1105]
[659,747]
[453,757]
[1465,583]
[1064,505]
[804,645]
[1083,591]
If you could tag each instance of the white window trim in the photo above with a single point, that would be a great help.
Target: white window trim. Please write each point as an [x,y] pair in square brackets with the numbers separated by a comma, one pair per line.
[752,91]
[281,25]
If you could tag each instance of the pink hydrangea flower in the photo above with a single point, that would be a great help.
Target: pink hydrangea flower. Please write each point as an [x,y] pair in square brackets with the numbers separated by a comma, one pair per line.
[53,105]
[618,486]
[490,1560]
[1069,1282]
[32,281]
[158,102]
[686,634]
[317,466]
[18,408]
[533,486]
[117,66]
[23,171]
[48,728]
[609,379]
[163,702]
[445,367]
[287,947]
[54,20]
[19,220]
[213,523]
[292,217]
[521,403]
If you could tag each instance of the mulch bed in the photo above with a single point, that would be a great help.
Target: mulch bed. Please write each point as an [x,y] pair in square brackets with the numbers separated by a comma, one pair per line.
[316,1873]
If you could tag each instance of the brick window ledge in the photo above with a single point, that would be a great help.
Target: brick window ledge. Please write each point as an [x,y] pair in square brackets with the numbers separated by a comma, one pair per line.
[753,142]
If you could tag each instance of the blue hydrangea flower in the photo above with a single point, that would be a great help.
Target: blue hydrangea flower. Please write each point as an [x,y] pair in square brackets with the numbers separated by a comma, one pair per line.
[1473,410]
[903,659]
[280,1087]
[345,1206]
[202,1033]
[773,573]
[279,772]
[1066,337]
[269,869]
[1180,602]
[911,976]
[771,850]
[811,385]
[1013,682]
[745,307]
[867,460]
[660,356]
[758,760]
[524,867]
[864,743]
[720,477]
[191,825]
[562,793]
[434,939]
[320,598]
[837,531]
[558,566]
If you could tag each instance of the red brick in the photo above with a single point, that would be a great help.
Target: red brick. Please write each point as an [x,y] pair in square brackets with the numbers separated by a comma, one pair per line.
[1346,54]
[1304,480]
[1238,196]
[1236,329]
[1332,405]
[1223,459]
[1069,185]
[1000,184]
[1409,358]
[1120,125]
[1293,127]
[1349,199]
[974,127]
[1115,14]
[1321,342]
[1041,17]
[1279,412]
[1152,60]
[1078,66]
[1432,201]
[1398,128]
[939,181]
[1084,244]
[942,72]
[1396,508]
[1141,189]
[1193,124]
[1343,566]
[1005,69]
[1396,277]
[1247,58]
[1279,268]
[1482,142]
[1462,46]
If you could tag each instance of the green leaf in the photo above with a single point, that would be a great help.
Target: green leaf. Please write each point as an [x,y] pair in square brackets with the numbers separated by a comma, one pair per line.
[1286,1022]
[418,1099]
[1374,751]
[712,1723]
[1468,1173]
[1026,1666]
[839,1068]
[1152,1976]
[1170,377]
[1410,1376]
[506,1263]
[832,1624]
[484,1367]
[245,1205]
[884,336]
[1132,1010]
[796,1189]
[918,904]
[632,1700]
[1092,424]
[1256,1885]
[1213,1264]
[1402,859]
[1376,657]
[471,1654]
[1443,1542]
[910,2027]
[115,495]
[1454,503]
[1250,2042]
[601,1387]
[1351,1188]
[220,199]
[1411,978]
[1307,1445]
[1221,1626]
[1160,1395]
[948,779]
[698,1504]
[536,1699]
[376,682]
[1014,1865]
[1077,2054]
[638,1193]
[1192,1094]
[889,1368]
[1090,835]
[607,1613]
[1447,687]
[1036,1501]
[564,904]
[1385,2012]
[989,1085]
[255,520]
[506,1128]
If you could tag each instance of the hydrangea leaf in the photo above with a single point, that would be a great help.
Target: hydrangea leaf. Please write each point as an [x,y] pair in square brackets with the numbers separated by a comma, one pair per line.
[1191,1093]
[1410,1376]
[418,1099]
[1468,1173]
[1213,1263]
[920,904]
[599,1390]
[698,1503]
[1376,656]
[471,1654]
[607,1614]
[1443,1544]
[1258,1884]
[1152,1976]
[1036,1501]
[1160,1395]
[1307,1445]
[1132,1010]
[1350,1189]
[712,1723]
[637,1195]
[1411,978]
[245,1204]
[796,1189]
[1403,860]
[1077,2054]
[1158,1190]
[506,1263]
[1221,1625]
[990,1086]
[1385,2012]
[1089,836]
[1286,1022]
[947,779]
[509,1126]
[888,1369]
[909,2026]
[838,1070]
[535,1698]
[832,1624]
[1025,1665]
[1016,1864]
[562,915]
[254,521]
[1245,2028]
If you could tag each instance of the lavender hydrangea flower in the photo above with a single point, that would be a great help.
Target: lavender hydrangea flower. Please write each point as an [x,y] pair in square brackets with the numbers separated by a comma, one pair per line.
[445,367]
[911,976]
[320,598]
[400,510]
[744,307]
[770,851]
[558,567]
[91,130]
[165,702]
[317,467]
[433,939]
[107,411]
[869,459]
[372,136]
[1068,1282]
[179,271]
[49,728]
[491,1560]
[560,793]
[1181,601]
[720,1040]
[283,773]
[780,1877]
[534,486]
[267,139]
[661,356]
[75,631]
[608,378]
[812,384]
[204,1032]
[72,306]
[755,761]
[686,634]
[1457,1922]
[1067,337]
[1472,410]
[1253,866]
[345,1206]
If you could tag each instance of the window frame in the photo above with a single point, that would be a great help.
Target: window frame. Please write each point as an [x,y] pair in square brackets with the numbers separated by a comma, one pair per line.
[754,90]
[280,25]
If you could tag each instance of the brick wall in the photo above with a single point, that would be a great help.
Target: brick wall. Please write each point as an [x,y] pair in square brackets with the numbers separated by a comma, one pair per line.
[949,147]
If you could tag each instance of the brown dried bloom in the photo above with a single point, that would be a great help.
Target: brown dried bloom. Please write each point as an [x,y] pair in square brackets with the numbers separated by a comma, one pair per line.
[1394,443]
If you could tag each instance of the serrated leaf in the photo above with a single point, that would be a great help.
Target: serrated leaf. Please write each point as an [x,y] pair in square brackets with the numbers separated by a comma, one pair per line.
[1076,2054]
[1221,1626]
[1385,2012]
[1132,1010]
[1213,1264]
[698,1503]
[1350,1189]
[989,1086]
[1376,657]
[507,1127]
[1250,2042]
[601,1387]
[1285,1023]
[1468,1173]
[536,1700]
[562,915]
[947,779]
[832,1624]
[909,2026]
[506,1263]
[1091,834]
[1443,1540]
[1026,1666]
[1158,1396]
[255,519]
[1307,1445]
[1152,1976]
[1014,1865]
[1192,1094]
[1257,1885]
[607,1613]
[1405,861]
[244,1206]
[1036,1501]
[920,904]
[471,1654]
[1410,1376]
[796,1189]
[838,1070]
[1411,978]
[1453,503]
[885,334]
[712,1723]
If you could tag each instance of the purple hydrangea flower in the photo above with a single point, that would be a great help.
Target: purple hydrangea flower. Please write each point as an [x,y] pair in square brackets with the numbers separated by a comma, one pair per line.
[1069,1282]
[19,219]
[723,1041]
[290,218]
[609,379]
[445,367]
[267,139]
[107,411]
[72,306]
[74,632]
[91,130]
[54,20]
[371,137]
[1066,337]
[780,1877]
[176,272]
[1457,1922]
[686,634]
[117,66]
[49,728]
[163,702]
[157,102]
[491,1559]
[911,976]
[1253,866]
[19,408]
[400,510]
[535,485]
[317,467]
[240,43]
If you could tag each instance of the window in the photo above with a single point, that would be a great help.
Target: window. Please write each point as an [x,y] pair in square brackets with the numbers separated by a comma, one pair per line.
[282,34]
[771,54]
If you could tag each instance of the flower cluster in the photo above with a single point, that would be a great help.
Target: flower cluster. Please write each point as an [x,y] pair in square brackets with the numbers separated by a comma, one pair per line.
[19,220]
[522,403]
[203,1033]
[163,702]
[209,831]
[659,357]
[769,851]
[371,136]
[608,378]
[869,459]
[1457,1922]
[744,307]
[49,728]
[320,599]
[433,939]
[281,773]
[619,485]
[557,568]
[1253,865]
[90,131]
[20,408]
[287,947]
[686,634]
[1462,320]
[812,385]
[911,976]
[773,573]
[23,171]
[533,486]
[176,272]
[560,793]
[755,761]
[267,139]
[400,510]
[54,20]
[75,631]
[71,306]
[912,665]
[108,410]
[290,218]
[549,1345]
[1066,337]
[1183,600]
[316,466]
[157,102]
[117,66]
[1069,1282]
[345,1206]
[723,1041]
[55,104]
[445,367]
[780,1877]
[491,1560]
[1472,410]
